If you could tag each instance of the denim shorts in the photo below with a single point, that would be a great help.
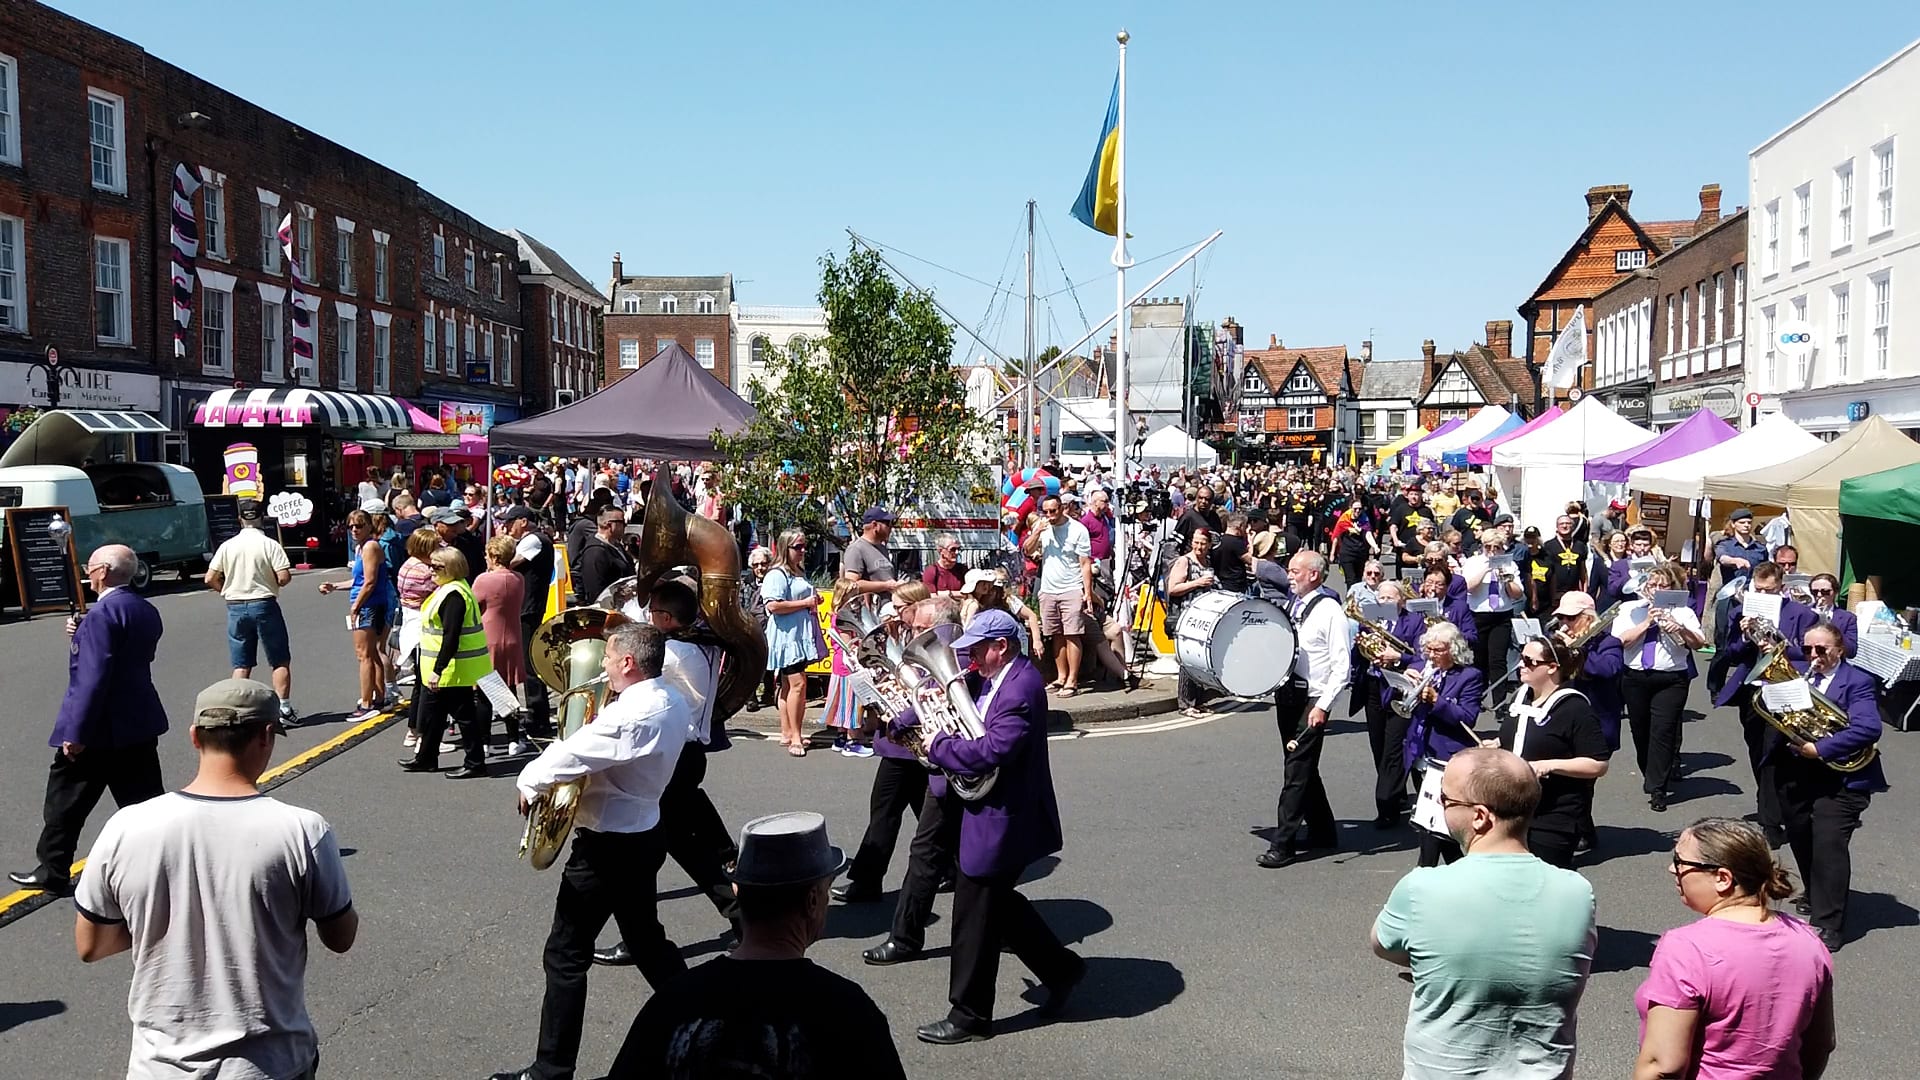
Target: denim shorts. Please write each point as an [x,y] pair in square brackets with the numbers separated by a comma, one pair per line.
[257,622]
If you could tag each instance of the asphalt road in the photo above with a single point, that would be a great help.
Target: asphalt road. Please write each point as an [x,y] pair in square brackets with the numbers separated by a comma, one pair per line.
[1201,964]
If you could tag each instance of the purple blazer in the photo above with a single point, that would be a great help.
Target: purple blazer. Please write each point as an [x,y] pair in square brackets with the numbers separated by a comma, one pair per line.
[1460,613]
[1600,681]
[1738,656]
[1439,730]
[1858,692]
[110,697]
[1018,821]
[1849,626]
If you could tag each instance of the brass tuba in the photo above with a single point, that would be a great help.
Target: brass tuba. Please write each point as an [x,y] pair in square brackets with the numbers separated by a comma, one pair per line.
[1804,725]
[1374,640]
[931,674]
[567,653]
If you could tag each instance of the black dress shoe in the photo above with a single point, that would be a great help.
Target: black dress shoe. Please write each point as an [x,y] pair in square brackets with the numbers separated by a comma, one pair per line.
[889,952]
[1386,821]
[946,885]
[1058,993]
[856,892]
[42,880]
[1832,940]
[1657,802]
[948,1033]
[466,772]
[415,765]
[1275,858]
[618,956]
[1800,904]
[517,1074]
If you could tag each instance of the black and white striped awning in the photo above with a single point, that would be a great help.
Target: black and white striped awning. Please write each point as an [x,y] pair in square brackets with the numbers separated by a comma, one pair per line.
[374,414]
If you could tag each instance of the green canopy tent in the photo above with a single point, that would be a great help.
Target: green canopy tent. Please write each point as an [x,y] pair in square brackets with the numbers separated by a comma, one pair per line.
[1880,520]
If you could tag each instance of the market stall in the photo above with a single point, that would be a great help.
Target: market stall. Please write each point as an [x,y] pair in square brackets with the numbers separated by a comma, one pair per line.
[1544,470]
[1484,423]
[669,409]
[1409,459]
[1880,517]
[1694,434]
[1387,452]
[1171,447]
[1481,453]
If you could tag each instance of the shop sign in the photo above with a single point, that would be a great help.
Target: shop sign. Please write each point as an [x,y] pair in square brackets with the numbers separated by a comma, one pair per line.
[1721,401]
[80,387]
[1300,440]
[425,440]
[465,418]
[1858,410]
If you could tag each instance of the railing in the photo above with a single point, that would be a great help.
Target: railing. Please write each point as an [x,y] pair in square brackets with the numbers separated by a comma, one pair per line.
[787,313]
[1703,359]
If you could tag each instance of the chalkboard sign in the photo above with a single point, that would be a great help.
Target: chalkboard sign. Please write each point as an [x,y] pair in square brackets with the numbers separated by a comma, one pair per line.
[46,571]
[223,519]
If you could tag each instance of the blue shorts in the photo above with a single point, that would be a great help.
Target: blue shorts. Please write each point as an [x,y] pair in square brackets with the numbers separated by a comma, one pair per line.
[257,622]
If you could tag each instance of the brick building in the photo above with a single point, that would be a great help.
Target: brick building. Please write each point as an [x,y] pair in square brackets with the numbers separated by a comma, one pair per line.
[560,310]
[1456,384]
[469,287]
[647,313]
[1288,398]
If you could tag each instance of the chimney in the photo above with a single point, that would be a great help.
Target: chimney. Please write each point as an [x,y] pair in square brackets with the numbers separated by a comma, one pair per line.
[1366,352]
[1234,330]
[1426,354]
[618,270]
[1709,207]
[1597,198]
[1500,337]
[1273,341]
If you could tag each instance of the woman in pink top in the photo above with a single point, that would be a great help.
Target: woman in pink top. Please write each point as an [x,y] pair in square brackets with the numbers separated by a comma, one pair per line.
[500,591]
[1746,992]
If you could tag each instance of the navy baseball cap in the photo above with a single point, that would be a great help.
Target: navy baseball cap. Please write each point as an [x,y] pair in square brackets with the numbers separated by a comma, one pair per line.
[876,514]
[989,624]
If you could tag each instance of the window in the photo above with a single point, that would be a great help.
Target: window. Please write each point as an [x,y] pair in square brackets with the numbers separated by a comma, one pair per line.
[1771,262]
[1670,324]
[13,274]
[450,348]
[486,355]
[1452,414]
[1302,382]
[1842,313]
[1843,204]
[213,219]
[430,348]
[216,324]
[269,232]
[629,354]
[1686,319]
[506,358]
[9,111]
[499,281]
[1254,384]
[1629,260]
[346,357]
[669,305]
[112,315]
[1369,427]
[106,136]
[1883,187]
[382,356]
[1396,425]
[466,269]
[553,315]
[1882,314]
[382,252]
[303,240]
[630,304]
[343,256]
[1720,307]
[703,306]
[661,345]
[573,323]
[1700,333]
[439,255]
[1300,419]
[1740,299]
[703,352]
[466,350]
[757,350]
[1799,310]
[1802,224]
[272,340]
[1770,356]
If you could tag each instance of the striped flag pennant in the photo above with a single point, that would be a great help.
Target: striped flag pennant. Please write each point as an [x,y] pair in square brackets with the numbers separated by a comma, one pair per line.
[186,248]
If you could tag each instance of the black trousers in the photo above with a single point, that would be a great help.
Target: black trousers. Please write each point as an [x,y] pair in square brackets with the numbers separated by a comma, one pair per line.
[899,784]
[74,787]
[986,913]
[1387,737]
[1352,569]
[930,860]
[483,708]
[1756,732]
[1654,700]
[608,876]
[539,714]
[1494,636]
[1821,816]
[1303,797]
[437,708]
[1190,694]
[1553,848]
[693,833]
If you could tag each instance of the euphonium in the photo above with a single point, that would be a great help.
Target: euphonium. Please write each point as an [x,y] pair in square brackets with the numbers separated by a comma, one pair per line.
[930,674]
[1374,639]
[567,653]
[1804,725]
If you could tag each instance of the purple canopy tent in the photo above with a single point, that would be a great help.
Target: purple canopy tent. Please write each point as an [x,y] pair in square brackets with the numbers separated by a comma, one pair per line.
[1696,432]
[1482,453]
[1411,465]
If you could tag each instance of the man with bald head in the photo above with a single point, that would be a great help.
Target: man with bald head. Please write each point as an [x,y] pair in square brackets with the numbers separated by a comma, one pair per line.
[1499,942]
[107,736]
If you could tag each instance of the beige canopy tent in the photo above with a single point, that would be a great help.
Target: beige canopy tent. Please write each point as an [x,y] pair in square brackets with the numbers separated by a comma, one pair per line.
[1809,487]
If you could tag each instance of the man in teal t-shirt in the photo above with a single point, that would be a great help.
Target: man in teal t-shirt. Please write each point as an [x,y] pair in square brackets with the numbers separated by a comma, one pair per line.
[1499,942]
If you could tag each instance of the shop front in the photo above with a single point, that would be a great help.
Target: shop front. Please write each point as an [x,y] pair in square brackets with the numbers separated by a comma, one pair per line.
[1630,400]
[23,396]
[1720,397]
[1295,447]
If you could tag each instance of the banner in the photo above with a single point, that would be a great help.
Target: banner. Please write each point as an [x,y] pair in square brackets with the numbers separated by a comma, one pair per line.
[465,418]
[1569,353]
[186,246]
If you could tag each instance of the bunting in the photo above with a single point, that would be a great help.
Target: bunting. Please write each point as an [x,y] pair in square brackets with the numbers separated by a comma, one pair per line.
[304,305]
[186,247]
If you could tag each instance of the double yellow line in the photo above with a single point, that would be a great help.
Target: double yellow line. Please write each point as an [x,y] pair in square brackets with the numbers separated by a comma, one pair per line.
[21,901]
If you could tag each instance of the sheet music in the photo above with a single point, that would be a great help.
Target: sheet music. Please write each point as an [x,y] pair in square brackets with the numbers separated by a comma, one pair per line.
[1525,629]
[1427,813]
[1762,605]
[1424,606]
[1792,696]
[860,683]
[1380,613]
[499,694]
[1402,684]
[1672,598]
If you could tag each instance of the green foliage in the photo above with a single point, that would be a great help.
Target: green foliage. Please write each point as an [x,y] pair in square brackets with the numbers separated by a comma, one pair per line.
[840,409]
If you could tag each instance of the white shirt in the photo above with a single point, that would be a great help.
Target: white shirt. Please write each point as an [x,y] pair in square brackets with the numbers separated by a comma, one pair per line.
[1491,596]
[216,894]
[1668,654]
[690,671]
[529,545]
[630,750]
[1061,549]
[249,563]
[1325,638]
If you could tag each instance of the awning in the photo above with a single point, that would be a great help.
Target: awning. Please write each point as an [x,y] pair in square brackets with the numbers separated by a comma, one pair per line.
[300,407]
[70,436]
[1386,453]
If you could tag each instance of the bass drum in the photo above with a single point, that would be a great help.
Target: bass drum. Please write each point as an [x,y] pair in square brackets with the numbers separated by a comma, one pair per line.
[1239,645]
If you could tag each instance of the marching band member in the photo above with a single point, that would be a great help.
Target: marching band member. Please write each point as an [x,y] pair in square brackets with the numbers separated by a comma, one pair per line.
[1438,556]
[1453,607]
[1657,644]
[1825,591]
[1727,679]
[1386,729]
[1494,594]
[1553,727]
[631,749]
[1821,806]
[1621,583]
[1443,717]
[1321,669]
[1598,663]
[1001,833]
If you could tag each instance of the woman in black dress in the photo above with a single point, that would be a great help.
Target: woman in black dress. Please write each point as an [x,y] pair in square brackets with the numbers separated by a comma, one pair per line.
[1553,727]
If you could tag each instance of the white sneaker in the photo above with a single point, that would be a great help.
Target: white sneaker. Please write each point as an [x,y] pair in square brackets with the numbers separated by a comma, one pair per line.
[363,712]
[519,747]
[449,747]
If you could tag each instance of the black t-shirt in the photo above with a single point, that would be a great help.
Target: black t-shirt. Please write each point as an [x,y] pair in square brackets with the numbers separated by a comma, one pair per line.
[1196,519]
[1230,563]
[1570,730]
[475,549]
[777,1019]
[1410,517]
[1469,520]
[536,574]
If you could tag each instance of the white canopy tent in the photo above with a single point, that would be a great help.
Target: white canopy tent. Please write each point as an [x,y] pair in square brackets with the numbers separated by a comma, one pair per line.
[1545,469]
[1773,440]
[1478,426]
[1171,446]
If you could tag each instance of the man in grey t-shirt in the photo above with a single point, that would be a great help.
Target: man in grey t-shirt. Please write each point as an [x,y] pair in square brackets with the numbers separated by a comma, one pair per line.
[866,569]
[212,887]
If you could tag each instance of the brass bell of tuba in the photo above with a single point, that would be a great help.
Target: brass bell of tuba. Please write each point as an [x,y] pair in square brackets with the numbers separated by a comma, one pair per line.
[567,654]
[931,673]
[1804,725]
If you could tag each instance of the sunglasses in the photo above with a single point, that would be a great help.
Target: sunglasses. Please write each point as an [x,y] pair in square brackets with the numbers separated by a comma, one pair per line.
[796,547]
[1682,866]
[1823,648]
[1534,661]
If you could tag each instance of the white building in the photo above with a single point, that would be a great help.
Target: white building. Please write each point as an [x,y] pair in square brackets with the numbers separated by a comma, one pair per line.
[758,326]
[1834,245]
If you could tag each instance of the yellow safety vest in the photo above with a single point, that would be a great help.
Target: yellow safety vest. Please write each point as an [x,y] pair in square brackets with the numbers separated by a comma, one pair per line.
[470,662]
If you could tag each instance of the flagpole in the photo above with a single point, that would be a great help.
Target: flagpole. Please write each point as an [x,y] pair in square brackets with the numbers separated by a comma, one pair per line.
[1122,425]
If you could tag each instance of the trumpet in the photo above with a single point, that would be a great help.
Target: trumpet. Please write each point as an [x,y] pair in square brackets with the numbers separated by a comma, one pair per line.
[1404,706]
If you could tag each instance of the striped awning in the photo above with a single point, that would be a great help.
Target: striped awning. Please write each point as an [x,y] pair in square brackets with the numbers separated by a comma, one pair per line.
[299,407]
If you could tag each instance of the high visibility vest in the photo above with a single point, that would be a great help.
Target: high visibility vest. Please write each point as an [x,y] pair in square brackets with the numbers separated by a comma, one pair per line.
[470,662]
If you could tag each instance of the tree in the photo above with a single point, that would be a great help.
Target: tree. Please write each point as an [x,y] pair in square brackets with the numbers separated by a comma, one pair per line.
[873,414]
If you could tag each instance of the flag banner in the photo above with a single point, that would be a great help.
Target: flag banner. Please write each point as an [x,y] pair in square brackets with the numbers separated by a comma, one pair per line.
[1569,353]
[304,306]
[186,247]
[1098,206]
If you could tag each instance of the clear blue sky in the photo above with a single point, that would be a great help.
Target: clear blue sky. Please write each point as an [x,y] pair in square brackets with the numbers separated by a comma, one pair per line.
[1407,169]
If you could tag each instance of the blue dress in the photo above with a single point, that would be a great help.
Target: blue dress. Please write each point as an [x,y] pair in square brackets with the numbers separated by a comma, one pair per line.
[377,610]
[792,637]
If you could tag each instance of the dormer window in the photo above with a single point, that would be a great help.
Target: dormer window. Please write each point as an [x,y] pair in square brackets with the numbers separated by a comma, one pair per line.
[630,305]
[703,306]
[1254,384]
[669,305]
[1632,259]
[1302,383]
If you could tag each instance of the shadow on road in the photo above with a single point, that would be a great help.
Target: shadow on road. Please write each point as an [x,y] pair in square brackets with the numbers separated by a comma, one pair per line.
[1617,842]
[1074,920]
[1701,761]
[1040,868]
[1870,911]
[15,1013]
[1116,988]
[1694,788]
[1623,950]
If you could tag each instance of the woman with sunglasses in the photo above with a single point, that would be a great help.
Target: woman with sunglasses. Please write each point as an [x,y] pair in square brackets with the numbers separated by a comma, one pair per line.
[794,640]
[1553,727]
[1745,990]
[1441,725]
[369,608]
[1824,590]
[1656,645]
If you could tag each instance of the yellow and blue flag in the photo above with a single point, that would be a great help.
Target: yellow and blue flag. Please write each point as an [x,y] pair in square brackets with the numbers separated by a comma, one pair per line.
[1098,207]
